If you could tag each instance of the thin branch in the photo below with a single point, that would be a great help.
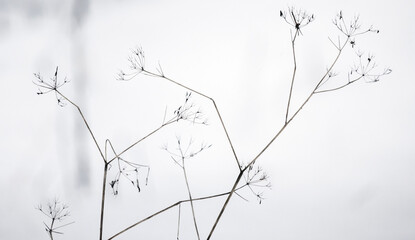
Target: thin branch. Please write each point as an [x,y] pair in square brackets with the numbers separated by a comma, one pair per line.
[104,184]
[86,123]
[190,198]
[140,140]
[171,206]
[207,97]
[226,203]
[293,76]
[178,223]
[340,87]
[271,141]
[185,154]
[64,225]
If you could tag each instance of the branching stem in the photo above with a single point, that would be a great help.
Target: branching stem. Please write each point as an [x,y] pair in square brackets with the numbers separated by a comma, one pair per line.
[86,123]
[273,139]
[104,158]
[293,76]
[214,105]
[190,198]
[171,206]
[140,140]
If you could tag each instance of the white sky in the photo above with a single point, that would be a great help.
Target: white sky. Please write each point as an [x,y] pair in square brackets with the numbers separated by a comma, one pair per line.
[344,168]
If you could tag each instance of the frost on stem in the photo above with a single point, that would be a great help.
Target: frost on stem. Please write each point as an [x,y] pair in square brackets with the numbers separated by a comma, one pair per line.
[56,212]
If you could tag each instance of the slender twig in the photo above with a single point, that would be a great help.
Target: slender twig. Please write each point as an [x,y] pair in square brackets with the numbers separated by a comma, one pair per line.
[101,226]
[293,75]
[51,229]
[226,203]
[271,141]
[178,223]
[106,163]
[171,206]
[86,123]
[207,97]
[54,88]
[64,225]
[190,198]
[104,184]
[140,140]
[185,154]
[55,211]
[339,87]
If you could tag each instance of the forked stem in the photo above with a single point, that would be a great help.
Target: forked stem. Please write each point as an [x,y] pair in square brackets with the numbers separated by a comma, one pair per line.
[190,198]
[272,140]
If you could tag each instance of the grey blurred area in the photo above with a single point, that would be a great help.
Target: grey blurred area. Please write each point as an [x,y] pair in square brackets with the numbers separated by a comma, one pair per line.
[79,14]
[71,16]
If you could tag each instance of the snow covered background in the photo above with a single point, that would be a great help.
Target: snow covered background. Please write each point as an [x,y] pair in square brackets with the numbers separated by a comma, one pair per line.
[343,169]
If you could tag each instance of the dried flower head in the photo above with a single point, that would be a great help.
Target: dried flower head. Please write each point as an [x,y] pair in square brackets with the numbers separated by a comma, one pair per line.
[256,179]
[137,65]
[50,85]
[365,69]
[185,151]
[189,112]
[128,170]
[297,18]
[55,211]
[351,28]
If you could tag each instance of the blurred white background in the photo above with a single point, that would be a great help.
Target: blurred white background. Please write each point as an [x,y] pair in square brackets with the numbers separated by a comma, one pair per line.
[344,168]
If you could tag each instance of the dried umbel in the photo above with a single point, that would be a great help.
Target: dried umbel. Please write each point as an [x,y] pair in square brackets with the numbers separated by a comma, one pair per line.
[183,152]
[297,18]
[50,85]
[189,112]
[256,179]
[365,68]
[55,211]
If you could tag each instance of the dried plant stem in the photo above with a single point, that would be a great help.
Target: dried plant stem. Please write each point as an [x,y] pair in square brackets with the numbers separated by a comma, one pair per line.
[226,202]
[299,109]
[293,76]
[101,224]
[190,198]
[86,123]
[242,170]
[104,158]
[104,184]
[171,206]
[207,97]
[178,223]
[273,139]
[140,140]
[51,229]
[340,87]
